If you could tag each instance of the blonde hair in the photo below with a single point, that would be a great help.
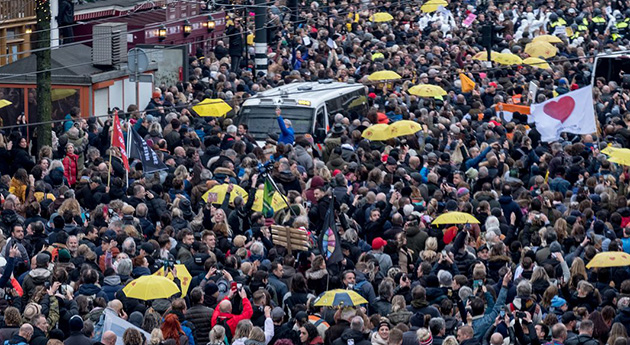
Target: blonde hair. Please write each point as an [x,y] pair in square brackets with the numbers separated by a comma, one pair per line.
[257,334]
[243,328]
[181,172]
[71,205]
[223,226]
[431,244]
[398,303]
[577,269]
[539,273]
[450,340]
[157,337]
[217,334]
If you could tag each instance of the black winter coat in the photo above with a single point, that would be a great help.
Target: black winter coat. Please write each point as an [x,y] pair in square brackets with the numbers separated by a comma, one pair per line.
[201,317]
[358,337]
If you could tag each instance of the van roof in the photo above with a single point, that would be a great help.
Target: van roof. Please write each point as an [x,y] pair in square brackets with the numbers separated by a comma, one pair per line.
[314,92]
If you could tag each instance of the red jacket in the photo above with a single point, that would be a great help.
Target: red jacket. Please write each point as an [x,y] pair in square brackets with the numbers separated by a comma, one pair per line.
[232,320]
[70,164]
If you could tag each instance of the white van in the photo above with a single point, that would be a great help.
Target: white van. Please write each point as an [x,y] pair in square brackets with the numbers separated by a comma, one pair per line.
[309,105]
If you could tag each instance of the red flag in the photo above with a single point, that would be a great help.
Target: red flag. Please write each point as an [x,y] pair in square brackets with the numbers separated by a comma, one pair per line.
[119,141]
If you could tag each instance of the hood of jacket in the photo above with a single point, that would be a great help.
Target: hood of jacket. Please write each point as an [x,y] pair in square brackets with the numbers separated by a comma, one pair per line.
[224,172]
[317,182]
[505,199]
[314,275]
[155,133]
[89,289]
[112,280]
[301,151]
[140,271]
[39,275]
[413,231]
[286,176]
[56,176]
[419,303]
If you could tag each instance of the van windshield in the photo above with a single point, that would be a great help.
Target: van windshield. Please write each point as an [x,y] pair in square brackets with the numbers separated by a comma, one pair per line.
[262,120]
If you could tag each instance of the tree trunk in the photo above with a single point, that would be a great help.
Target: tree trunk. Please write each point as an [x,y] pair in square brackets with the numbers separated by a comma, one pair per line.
[44,101]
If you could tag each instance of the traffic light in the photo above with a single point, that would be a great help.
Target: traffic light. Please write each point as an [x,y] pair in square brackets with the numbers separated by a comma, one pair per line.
[490,35]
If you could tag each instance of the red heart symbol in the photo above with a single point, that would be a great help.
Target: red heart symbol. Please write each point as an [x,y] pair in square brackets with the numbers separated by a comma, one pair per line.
[560,110]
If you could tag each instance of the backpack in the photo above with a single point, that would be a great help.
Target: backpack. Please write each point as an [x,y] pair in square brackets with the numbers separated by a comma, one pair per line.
[357,287]
[222,321]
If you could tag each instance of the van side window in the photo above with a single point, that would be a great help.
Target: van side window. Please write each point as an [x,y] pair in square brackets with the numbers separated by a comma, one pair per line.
[320,119]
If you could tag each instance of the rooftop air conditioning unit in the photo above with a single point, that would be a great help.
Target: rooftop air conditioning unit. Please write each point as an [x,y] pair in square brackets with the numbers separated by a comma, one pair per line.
[110,44]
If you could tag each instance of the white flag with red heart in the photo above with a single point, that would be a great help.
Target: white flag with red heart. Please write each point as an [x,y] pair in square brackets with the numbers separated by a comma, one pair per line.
[572,112]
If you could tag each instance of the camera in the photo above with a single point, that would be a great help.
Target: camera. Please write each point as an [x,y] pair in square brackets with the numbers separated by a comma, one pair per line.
[521,314]
[265,168]
[219,272]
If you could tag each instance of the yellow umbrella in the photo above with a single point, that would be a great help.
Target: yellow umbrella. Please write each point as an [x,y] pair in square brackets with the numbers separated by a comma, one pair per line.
[508,59]
[536,62]
[384,75]
[541,49]
[377,132]
[427,90]
[404,127]
[433,5]
[216,194]
[483,56]
[277,202]
[183,275]
[455,218]
[619,156]
[610,259]
[610,149]
[547,38]
[4,103]
[212,107]
[147,288]
[58,94]
[382,17]
[340,298]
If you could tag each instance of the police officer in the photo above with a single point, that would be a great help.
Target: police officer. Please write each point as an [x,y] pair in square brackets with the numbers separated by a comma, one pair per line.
[620,24]
[554,21]
[598,22]
[614,34]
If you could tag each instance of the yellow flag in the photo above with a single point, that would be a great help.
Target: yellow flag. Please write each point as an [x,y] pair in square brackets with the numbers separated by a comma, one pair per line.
[467,84]
[183,275]
[547,176]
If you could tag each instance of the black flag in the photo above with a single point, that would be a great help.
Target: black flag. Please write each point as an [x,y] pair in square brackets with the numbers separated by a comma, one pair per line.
[140,150]
[329,241]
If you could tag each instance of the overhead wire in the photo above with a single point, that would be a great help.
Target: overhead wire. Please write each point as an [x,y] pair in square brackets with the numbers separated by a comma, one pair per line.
[156,25]
[167,47]
[108,19]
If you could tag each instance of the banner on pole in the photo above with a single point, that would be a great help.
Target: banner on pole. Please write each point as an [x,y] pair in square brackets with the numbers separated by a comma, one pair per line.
[139,149]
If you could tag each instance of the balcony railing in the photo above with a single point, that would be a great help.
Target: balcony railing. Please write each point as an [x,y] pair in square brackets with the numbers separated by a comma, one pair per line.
[11,10]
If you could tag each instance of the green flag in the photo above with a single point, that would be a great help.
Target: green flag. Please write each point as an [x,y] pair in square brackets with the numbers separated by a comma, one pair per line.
[267,210]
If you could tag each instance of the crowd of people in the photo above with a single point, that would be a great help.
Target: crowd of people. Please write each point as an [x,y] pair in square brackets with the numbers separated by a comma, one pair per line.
[77,227]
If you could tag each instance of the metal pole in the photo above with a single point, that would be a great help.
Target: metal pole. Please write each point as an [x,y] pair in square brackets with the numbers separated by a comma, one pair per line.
[275,186]
[260,37]
[489,47]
